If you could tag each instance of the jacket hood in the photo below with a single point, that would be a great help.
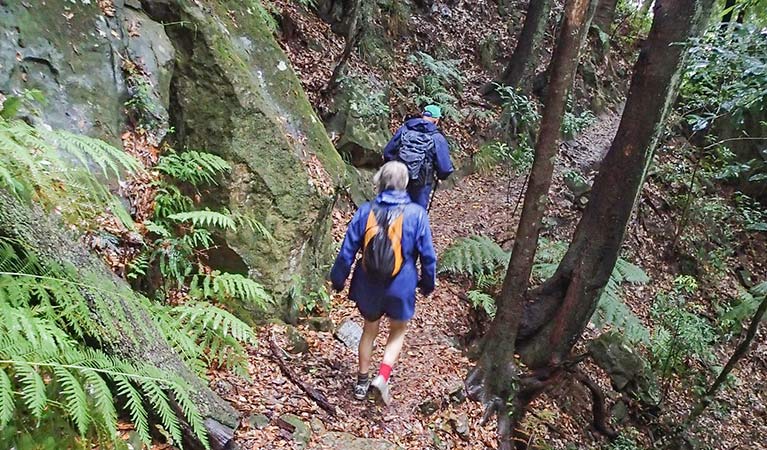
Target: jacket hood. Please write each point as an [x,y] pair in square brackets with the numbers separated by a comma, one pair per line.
[421,124]
[392,197]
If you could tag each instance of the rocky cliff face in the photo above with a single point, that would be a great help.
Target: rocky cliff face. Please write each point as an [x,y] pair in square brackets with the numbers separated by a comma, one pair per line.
[220,82]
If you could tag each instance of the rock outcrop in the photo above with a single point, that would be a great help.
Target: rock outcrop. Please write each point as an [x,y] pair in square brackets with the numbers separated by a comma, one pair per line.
[220,82]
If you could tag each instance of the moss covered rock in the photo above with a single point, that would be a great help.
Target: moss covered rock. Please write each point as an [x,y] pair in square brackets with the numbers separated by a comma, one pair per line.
[234,94]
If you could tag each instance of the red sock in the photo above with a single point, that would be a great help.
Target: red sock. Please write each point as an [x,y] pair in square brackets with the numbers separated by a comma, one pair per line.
[385,371]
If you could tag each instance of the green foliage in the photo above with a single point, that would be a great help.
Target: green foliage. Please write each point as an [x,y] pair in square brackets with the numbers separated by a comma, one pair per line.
[726,76]
[266,11]
[367,101]
[205,218]
[481,301]
[307,302]
[481,259]
[743,309]
[48,367]
[474,257]
[680,333]
[626,440]
[51,167]
[215,337]
[611,310]
[572,123]
[517,160]
[223,287]
[192,167]
[441,84]
[28,99]
[521,116]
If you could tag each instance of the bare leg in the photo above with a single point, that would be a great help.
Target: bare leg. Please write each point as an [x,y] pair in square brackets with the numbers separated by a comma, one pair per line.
[369,333]
[397,329]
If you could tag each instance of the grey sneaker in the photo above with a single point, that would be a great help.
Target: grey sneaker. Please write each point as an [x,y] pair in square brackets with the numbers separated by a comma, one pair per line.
[361,388]
[383,388]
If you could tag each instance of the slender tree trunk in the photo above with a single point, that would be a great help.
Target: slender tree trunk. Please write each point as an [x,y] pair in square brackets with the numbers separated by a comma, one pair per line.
[352,36]
[565,302]
[140,340]
[738,354]
[492,381]
[521,68]
[604,15]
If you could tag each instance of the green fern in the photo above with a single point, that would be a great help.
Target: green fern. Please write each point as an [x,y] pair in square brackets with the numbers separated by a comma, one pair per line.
[483,301]
[744,307]
[221,337]
[193,167]
[474,257]
[51,167]
[205,218]
[225,286]
[45,363]
[481,259]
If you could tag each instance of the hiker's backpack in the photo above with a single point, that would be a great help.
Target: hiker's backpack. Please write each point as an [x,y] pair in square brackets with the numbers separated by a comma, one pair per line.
[382,243]
[416,151]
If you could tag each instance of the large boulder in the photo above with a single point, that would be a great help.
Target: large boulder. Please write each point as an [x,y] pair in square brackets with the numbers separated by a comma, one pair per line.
[233,93]
[73,54]
[359,121]
[221,82]
[628,371]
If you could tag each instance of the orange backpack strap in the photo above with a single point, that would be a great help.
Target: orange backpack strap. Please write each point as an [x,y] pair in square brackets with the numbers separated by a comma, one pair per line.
[371,228]
[395,236]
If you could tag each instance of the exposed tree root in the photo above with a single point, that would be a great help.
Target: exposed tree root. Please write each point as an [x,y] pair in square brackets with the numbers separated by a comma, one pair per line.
[598,408]
[314,394]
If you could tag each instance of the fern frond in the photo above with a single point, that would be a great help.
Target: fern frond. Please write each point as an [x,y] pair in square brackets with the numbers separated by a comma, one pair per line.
[85,148]
[473,256]
[224,286]
[32,389]
[205,218]
[76,401]
[193,167]
[99,391]
[204,316]
[480,300]
[7,405]
[181,396]
[138,414]
[160,406]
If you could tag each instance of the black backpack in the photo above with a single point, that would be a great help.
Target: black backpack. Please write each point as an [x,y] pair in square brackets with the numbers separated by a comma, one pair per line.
[416,151]
[382,243]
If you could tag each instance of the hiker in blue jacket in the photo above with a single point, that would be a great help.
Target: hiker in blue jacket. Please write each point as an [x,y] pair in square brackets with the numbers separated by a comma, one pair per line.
[420,136]
[393,297]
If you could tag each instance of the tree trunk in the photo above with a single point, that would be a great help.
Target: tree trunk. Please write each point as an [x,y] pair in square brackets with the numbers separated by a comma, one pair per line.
[352,36]
[645,8]
[140,340]
[565,302]
[604,15]
[521,68]
[738,354]
[492,380]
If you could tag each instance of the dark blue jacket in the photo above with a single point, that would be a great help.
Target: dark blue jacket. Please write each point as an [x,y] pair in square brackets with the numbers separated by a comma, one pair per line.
[442,164]
[416,242]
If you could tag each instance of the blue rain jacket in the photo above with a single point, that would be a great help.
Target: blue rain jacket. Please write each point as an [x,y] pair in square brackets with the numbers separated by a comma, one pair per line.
[395,299]
[443,167]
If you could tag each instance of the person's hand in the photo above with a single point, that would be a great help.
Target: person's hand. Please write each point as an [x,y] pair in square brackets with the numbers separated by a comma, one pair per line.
[425,288]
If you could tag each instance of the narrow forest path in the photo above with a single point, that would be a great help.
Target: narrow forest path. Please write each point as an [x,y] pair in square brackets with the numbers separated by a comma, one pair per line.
[432,364]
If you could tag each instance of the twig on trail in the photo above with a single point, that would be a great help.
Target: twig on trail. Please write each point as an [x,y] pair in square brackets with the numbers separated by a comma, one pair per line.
[314,394]
[519,197]
[598,399]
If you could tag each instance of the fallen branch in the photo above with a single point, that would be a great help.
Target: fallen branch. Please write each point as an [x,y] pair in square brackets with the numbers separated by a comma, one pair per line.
[598,399]
[314,394]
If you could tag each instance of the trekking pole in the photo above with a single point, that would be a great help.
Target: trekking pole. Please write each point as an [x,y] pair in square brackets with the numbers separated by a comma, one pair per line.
[434,191]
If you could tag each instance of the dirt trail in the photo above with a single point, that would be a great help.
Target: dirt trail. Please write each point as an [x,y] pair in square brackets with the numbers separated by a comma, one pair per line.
[432,362]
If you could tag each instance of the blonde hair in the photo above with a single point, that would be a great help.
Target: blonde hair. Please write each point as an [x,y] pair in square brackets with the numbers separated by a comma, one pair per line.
[392,175]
